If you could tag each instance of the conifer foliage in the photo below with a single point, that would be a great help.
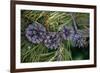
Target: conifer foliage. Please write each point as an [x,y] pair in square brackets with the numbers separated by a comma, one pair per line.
[54,36]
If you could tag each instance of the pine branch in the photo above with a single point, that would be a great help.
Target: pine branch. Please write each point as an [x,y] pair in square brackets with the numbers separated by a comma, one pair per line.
[74,22]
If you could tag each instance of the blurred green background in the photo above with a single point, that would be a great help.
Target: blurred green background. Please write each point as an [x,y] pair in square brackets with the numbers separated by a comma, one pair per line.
[52,21]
